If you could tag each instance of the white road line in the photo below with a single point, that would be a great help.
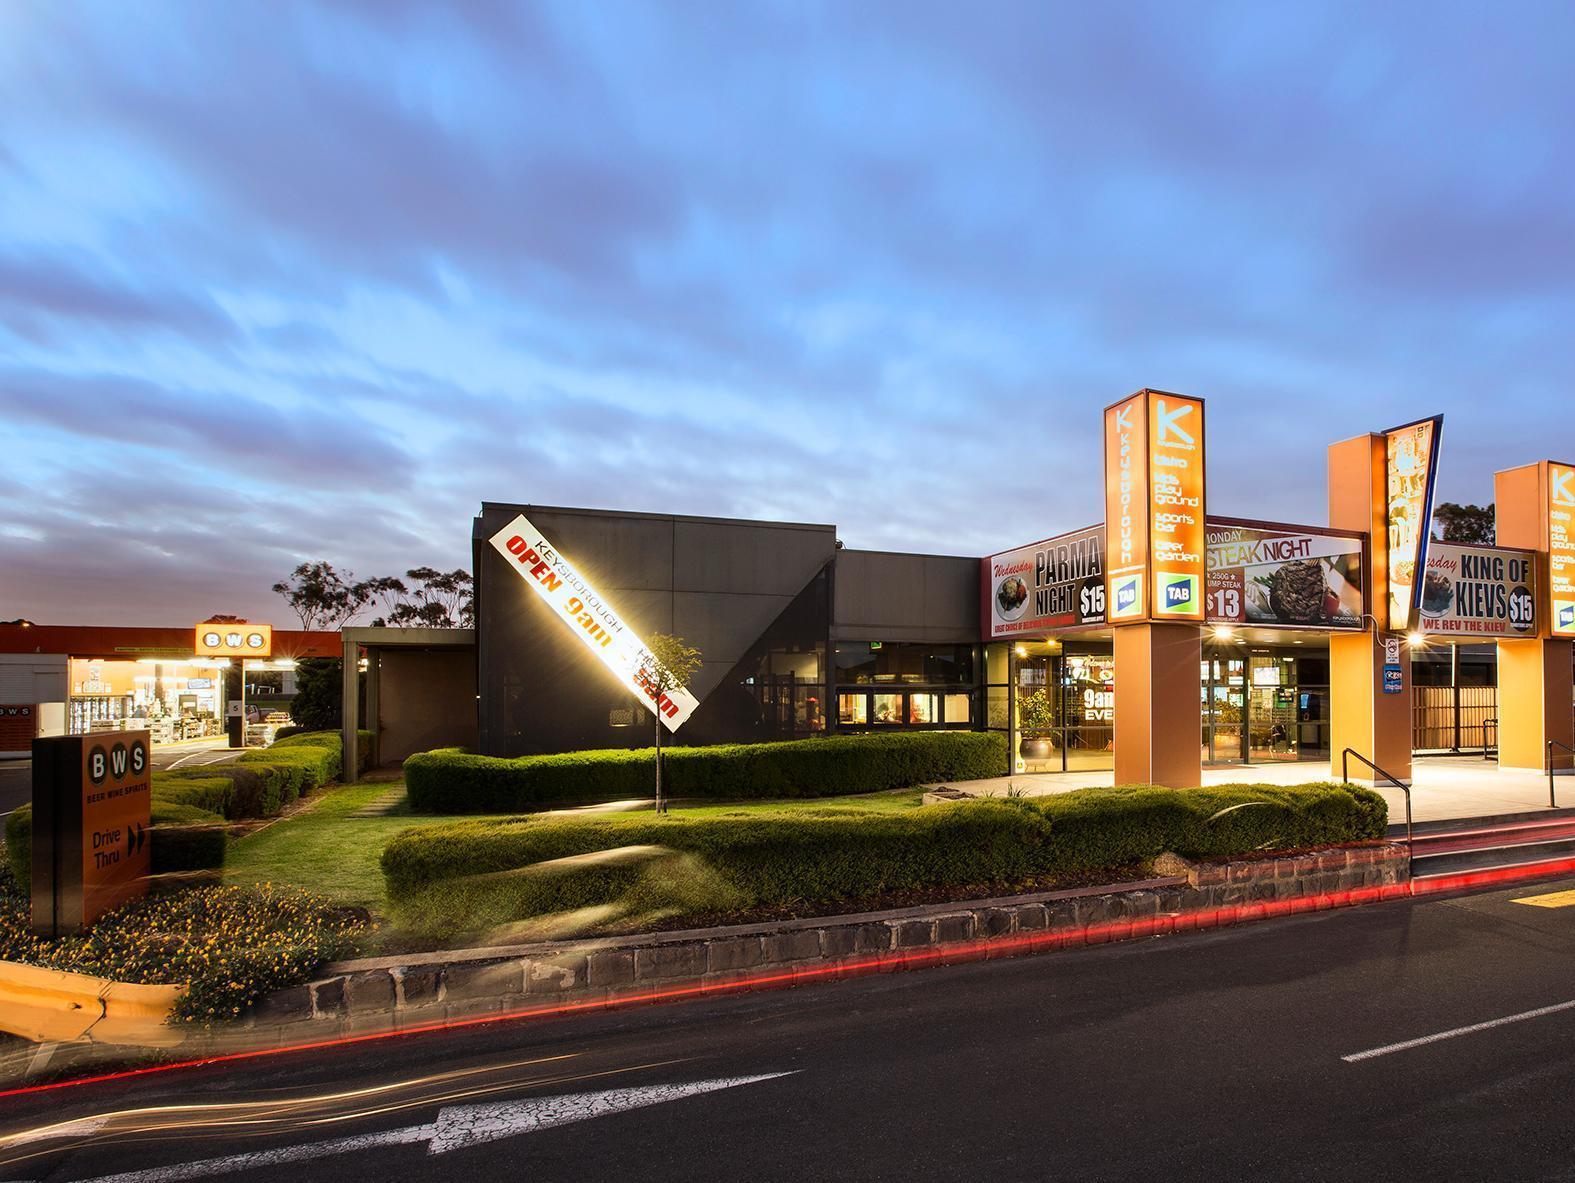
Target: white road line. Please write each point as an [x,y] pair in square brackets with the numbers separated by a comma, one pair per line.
[1453,1032]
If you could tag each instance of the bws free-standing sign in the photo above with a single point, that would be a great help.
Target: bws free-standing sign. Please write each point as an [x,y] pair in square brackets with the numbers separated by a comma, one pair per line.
[91,847]
[1561,548]
[1154,508]
[1410,467]
[589,617]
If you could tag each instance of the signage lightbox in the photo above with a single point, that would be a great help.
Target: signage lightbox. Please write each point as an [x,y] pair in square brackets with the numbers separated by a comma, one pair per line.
[587,614]
[221,638]
[1046,587]
[1410,467]
[1561,548]
[1479,591]
[1263,574]
[1154,508]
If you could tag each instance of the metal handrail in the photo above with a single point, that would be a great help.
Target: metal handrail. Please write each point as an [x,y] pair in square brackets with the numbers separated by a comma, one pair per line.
[1489,750]
[1553,743]
[1345,775]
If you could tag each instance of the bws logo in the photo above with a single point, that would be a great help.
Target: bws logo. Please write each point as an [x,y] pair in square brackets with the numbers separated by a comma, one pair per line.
[1562,481]
[1170,429]
[1128,592]
[1178,594]
[118,762]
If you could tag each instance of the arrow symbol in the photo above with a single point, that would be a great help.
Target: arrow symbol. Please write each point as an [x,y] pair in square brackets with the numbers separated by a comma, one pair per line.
[456,1127]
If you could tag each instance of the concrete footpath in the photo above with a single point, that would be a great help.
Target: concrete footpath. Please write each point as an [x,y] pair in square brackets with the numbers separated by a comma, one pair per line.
[1442,787]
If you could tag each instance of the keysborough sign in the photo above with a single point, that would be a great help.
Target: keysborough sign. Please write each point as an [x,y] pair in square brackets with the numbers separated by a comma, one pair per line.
[587,614]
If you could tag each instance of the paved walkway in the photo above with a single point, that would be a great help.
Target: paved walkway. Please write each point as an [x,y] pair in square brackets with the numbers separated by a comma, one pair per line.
[1441,787]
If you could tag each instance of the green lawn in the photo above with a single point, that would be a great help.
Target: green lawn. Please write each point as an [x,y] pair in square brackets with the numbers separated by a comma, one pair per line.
[329,850]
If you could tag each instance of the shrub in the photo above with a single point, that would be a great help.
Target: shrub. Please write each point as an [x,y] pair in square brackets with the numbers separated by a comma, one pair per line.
[184,838]
[260,783]
[318,704]
[460,875]
[229,945]
[287,731]
[453,781]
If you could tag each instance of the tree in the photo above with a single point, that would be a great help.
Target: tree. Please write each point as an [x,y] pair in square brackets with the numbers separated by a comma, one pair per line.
[1464,523]
[437,599]
[318,704]
[321,597]
[670,666]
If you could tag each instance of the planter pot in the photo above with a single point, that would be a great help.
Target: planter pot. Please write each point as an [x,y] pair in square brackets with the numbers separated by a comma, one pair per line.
[1035,749]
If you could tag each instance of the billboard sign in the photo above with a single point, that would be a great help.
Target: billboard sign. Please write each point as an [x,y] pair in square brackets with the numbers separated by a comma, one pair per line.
[91,804]
[1479,591]
[1561,548]
[587,614]
[227,638]
[1048,586]
[1410,468]
[1154,508]
[1264,574]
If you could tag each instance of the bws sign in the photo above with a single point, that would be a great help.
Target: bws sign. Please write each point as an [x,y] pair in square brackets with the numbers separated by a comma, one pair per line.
[588,616]
[219,638]
[1154,507]
[91,826]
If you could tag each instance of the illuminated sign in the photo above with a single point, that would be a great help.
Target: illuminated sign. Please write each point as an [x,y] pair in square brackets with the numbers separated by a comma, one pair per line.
[589,617]
[1410,467]
[219,638]
[1561,547]
[1154,508]
[1048,586]
[91,796]
[1263,574]
[1478,591]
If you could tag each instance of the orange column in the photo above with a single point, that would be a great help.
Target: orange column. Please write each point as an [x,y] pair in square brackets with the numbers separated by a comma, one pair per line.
[1362,717]
[1159,719]
[1535,688]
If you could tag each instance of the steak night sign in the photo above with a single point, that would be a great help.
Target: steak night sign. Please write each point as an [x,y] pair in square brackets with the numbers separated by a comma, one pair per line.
[588,616]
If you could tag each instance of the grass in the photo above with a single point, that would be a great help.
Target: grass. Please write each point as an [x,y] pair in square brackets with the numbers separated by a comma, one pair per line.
[332,852]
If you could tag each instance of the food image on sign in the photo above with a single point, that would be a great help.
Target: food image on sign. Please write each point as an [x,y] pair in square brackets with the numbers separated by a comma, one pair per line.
[586,613]
[1478,591]
[1411,454]
[1561,547]
[1051,585]
[1261,574]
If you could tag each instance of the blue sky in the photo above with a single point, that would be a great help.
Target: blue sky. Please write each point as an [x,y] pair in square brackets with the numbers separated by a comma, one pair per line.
[292,281]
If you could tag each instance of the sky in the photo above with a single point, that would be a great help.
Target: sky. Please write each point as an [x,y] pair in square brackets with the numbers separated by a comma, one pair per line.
[293,281]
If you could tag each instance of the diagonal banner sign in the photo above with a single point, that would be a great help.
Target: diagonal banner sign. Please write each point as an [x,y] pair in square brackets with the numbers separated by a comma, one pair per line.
[588,615]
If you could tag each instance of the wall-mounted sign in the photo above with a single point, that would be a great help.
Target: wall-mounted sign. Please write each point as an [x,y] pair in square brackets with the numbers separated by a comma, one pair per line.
[589,617]
[228,639]
[1046,587]
[1478,591]
[1154,507]
[18,726]
[90,827]
[1263,574]
[1561,547]
[1411,466]
[1394,679]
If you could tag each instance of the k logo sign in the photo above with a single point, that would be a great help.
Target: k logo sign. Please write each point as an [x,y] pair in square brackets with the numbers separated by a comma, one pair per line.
[1169,418]
[1563,483]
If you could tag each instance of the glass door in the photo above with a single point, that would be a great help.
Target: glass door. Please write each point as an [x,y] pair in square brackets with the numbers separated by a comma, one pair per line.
[1225,708]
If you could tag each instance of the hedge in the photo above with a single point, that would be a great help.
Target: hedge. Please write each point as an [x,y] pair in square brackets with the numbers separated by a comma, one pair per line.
[457,876]
[183,838]
[260,783]
[454,781]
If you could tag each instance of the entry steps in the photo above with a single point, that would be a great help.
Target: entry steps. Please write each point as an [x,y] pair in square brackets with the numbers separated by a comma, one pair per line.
[1521,840]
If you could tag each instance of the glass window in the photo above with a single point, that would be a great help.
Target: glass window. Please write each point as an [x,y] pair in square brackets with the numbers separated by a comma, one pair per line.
[864,662]
[923,708]
[958,708]
[853,708]
[887,708]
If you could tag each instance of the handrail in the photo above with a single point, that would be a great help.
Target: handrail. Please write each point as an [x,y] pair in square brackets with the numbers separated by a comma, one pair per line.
[1490,750]
[1553,743]
[1345,775]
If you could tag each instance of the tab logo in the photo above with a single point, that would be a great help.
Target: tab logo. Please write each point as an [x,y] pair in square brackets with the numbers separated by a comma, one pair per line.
[1178,594]
[1128,590]
[1567,615]
[1170,429]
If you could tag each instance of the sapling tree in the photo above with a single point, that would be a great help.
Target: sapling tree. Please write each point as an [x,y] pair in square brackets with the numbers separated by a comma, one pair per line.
[672,663]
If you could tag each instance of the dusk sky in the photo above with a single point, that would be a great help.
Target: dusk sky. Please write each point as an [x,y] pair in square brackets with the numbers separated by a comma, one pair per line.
[295,281]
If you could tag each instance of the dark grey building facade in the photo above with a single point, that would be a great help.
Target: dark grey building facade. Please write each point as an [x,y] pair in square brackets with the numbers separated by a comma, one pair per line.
[799,636]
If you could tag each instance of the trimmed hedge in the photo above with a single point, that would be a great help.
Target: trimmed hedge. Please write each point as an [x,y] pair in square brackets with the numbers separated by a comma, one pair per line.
[457,876]
[183,838]
[454,781]
[261,783]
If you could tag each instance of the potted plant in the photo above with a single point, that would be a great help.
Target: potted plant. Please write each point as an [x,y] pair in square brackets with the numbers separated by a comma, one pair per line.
[1035,719]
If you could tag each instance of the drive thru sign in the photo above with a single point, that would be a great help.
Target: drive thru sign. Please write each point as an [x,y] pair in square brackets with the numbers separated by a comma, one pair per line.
[588,616]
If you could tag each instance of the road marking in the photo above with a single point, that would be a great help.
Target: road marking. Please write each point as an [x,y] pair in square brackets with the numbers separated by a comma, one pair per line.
[1421,1041]
[455,1128]
[1553,899]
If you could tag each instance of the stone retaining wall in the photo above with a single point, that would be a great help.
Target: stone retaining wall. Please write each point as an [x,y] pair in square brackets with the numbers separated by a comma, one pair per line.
[420,989]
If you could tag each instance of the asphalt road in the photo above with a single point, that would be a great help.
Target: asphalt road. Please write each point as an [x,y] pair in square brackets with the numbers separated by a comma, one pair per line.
[16,776]
[1206,1056]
